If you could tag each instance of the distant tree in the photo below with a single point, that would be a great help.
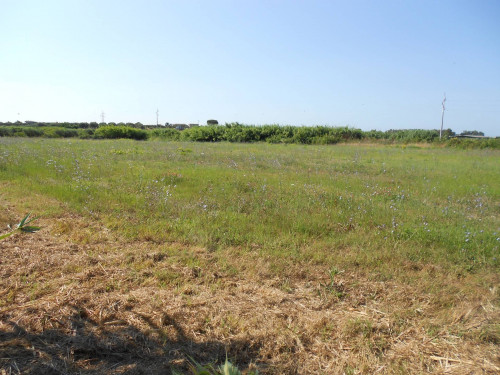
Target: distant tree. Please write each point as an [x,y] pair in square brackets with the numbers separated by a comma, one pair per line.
[212,122]
[448,133]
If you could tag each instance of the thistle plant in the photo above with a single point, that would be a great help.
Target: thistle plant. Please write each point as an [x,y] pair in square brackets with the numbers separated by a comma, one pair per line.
[22,226]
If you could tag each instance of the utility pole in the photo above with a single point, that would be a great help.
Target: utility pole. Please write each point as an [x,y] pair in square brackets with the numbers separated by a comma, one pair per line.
[102,116]
[157,112]
[442,117]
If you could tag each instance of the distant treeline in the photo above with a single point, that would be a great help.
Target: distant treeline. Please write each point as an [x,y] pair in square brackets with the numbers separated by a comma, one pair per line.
[74,125]
[102,132]
[235,132]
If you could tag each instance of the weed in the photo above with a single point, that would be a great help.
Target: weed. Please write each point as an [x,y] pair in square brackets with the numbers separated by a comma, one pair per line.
[22,226]
[332,287]
[225,369]
[359,327]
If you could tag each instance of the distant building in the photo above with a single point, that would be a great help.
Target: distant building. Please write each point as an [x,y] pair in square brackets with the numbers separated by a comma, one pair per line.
[471,136]
[180,126]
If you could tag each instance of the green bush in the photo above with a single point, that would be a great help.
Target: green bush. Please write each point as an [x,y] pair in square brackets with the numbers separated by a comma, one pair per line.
[374,134]
[412,135]
[326,140]
[214,133]
[67,132]
[5,132]
[470,143]
[167,134]
[33,132]
[241,133]
[54,132]
[114,132]
[18,132]
[86,133]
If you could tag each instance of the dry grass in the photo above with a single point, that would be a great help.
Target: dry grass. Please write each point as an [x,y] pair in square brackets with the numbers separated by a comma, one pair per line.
[76,299]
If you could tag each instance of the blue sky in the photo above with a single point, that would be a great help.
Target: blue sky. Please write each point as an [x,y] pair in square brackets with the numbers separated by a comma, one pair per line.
[367,64]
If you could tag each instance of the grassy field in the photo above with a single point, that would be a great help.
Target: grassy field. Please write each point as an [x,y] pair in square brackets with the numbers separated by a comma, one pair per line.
[352,258]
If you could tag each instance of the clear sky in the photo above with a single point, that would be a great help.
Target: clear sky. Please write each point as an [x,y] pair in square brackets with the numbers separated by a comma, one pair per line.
[367,64]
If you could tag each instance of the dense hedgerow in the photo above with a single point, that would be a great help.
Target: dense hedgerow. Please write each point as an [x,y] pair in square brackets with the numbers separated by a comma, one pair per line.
[70,125]
[109,131]
[239,133]
[114,132]
[46,132]
[168,134]
[212,133]
[236,132]
[468,143]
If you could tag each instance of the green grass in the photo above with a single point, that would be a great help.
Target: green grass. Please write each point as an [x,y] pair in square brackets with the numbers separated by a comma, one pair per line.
[372,206]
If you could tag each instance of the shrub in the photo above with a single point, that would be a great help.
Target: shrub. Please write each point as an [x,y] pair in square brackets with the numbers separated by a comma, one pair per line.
[204,134]
[85,133]
[326,140]
[114,132]
[5,132]
[303,135]
[18,132]
[412,135]
[241,133]
[167,134]
[468,143]
[57,132]
[33,132]
[374,134]
[67,133]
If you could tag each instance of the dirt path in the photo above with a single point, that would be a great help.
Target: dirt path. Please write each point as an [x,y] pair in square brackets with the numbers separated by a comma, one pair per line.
[108,306]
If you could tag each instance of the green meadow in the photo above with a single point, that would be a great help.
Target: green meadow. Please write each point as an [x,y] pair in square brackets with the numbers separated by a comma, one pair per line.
[281,258]
[374,207]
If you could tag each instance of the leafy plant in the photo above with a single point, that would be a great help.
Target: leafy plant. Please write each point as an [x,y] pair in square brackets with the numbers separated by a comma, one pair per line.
[22,226]
[226,369]
[333,287]
[115,132]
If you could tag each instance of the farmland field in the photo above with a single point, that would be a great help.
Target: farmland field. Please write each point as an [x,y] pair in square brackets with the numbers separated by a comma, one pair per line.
[353,258]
